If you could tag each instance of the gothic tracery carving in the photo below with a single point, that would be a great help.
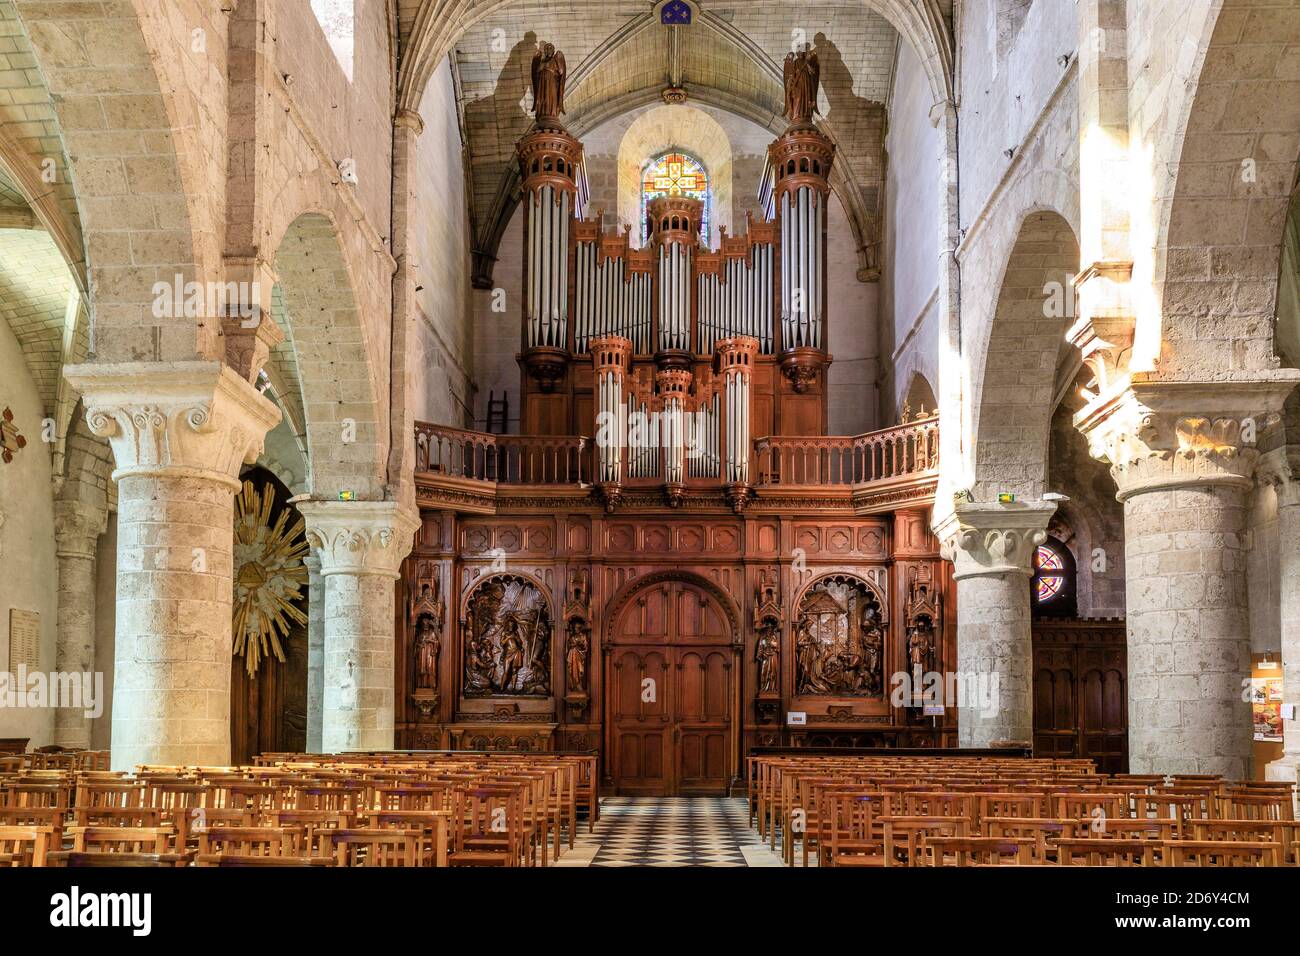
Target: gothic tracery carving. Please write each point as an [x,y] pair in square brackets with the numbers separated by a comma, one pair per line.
[922,618]
[768,618]
[840,640]
[428,613]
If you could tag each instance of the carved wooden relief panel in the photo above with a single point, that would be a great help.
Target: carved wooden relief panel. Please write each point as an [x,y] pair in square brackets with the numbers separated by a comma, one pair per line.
[840,640]
[507,647]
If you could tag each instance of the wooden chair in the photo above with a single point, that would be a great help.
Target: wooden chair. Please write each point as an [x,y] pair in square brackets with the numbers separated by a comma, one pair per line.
[317,825]
[1222,853]
[856,838]
[74,859]
[433,826]
[487,827]
[380,848]
[1106,852]
[25,845]
[252,841]
[978,851]
[236,859]
[122,839]
[903,836]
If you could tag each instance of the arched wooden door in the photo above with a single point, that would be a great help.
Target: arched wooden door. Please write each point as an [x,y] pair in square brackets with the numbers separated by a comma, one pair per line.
[672,700]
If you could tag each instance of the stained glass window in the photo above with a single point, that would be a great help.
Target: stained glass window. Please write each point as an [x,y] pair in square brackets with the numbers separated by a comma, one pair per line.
[675,174]
[1049,573]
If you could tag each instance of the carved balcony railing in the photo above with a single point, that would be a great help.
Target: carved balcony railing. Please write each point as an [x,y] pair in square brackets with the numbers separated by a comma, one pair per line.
[899,452]
[469,470]
[501,459]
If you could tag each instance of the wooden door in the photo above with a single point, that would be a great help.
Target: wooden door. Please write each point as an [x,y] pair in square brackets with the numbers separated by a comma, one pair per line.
[672,701]
[641,719]
[1081,692]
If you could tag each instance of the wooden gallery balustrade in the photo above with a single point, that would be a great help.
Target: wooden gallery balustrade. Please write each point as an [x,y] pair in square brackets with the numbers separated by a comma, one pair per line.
[462,470]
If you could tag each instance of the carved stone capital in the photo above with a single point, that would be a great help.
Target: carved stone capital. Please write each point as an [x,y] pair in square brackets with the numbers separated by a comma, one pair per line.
[1277,469]
[181,419]
[77,528]
[1161,435]
[359,537]
[987,539]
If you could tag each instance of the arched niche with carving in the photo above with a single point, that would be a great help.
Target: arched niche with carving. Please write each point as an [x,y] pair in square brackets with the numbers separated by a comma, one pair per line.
[507,636]
[840,636]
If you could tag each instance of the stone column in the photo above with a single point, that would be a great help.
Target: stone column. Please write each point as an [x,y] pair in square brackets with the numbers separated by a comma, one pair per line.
[180,432]
[992,550]
[1182,455]
[77,528]
[1288,536]
[361,545]
[315,651]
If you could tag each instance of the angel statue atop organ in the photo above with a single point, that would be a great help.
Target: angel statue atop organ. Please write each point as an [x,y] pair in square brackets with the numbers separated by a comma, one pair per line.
[549,73]
[801,74]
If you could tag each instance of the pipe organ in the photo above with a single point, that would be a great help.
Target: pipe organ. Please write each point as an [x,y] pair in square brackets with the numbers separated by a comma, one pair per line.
[672,507]
[757,298]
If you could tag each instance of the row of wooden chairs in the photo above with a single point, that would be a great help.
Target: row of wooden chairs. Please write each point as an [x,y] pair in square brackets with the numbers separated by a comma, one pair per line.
[840,811]
[440,809]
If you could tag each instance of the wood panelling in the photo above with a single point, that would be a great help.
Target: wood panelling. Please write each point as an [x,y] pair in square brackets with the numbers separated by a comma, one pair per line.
[672,598]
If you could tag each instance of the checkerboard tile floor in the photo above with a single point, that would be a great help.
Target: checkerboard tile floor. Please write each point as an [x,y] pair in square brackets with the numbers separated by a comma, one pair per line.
[671,831]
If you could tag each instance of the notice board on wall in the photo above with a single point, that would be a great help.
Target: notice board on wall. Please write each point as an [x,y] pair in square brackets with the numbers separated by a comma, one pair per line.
[24,639]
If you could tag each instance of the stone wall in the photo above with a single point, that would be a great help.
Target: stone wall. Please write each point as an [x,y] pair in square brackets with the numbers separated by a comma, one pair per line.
[28,571]
[909,285]
[442,375]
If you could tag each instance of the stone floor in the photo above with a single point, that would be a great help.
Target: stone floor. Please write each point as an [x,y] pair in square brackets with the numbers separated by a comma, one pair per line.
[670,831]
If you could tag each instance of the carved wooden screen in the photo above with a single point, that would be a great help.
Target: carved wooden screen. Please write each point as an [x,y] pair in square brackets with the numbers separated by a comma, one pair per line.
[1081,692]
[671,693]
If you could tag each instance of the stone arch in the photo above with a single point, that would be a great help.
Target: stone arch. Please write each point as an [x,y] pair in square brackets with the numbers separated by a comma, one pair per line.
[325,352]
[665,128]
[614,608]
[436,29]
[1286,341]
[1012,393]
[921,23]
[146,207]
[920,394]
[1222,202]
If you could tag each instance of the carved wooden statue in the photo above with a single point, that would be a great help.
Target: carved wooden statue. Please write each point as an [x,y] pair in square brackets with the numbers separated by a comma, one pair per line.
[577,645]
[766,652]
[768,619]
[802,75]
[427,613]
[549,74]
[921,618]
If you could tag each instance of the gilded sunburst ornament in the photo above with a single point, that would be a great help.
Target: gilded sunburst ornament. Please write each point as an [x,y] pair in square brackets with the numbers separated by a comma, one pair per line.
[269,575]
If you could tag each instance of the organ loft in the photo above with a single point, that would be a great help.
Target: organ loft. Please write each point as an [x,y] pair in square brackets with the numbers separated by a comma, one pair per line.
[672,562]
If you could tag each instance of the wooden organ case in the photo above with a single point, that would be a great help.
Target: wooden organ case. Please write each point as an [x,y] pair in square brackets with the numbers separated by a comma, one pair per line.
[673,562]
